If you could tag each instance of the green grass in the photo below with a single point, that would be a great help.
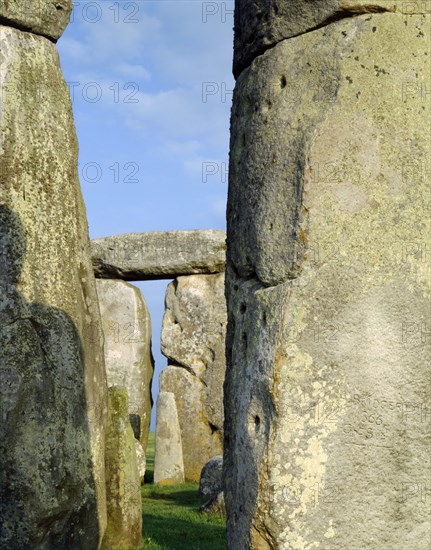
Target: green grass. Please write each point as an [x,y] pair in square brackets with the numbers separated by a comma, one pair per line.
[171,518]
[149,472]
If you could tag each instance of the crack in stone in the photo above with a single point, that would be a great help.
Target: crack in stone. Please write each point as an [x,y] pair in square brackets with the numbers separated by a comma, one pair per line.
[253,276]
[5,22]
[346,11]
[178,365]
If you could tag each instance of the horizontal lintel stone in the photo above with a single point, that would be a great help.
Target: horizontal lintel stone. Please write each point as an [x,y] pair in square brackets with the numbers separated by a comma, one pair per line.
[159,254]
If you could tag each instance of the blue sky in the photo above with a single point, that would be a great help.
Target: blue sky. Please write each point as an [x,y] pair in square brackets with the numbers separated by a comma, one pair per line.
[151,89]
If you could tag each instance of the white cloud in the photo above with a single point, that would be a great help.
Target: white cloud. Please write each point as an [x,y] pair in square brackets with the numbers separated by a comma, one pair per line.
[190,147]
[192,49]
[178,113]
[137,72]
[109,38]
[71,48]
[171,53]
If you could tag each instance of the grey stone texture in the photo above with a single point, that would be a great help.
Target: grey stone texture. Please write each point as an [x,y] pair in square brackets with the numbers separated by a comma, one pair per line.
[210,483]
[123,481]
[327,432]
[168,463]
[215,506]
[159,254]
[126,326]
[193,339]
[52,378]
[45,17]
[261,24]
[211,486]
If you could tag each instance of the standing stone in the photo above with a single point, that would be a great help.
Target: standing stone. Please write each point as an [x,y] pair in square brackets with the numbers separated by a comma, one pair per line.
[129,362]
[199,441]
[123,487]
[193,339]
[52,377]
[168,463]
[327,432]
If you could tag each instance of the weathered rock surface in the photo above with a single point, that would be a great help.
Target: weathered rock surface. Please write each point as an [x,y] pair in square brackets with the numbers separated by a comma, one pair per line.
[168,463]
[211,482]
[193,339]
[123,484]
[327,389]
[215,506]
[126,326]
[261,24]
[211,486]
[159,254]
[194,326]
[200,440]
[53,384]
[45,17]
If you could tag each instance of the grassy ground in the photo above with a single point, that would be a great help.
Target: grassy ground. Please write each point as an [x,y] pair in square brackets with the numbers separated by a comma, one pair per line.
[171,519]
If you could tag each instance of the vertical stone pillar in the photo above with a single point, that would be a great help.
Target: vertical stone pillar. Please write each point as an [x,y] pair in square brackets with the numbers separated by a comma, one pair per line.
[168,464]
[193,340]
[327,394]
[127,335]
[123,486]
[52,377]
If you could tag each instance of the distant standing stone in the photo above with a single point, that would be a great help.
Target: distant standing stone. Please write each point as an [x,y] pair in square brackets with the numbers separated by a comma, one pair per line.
[129,362]
[193,339]
[168,466]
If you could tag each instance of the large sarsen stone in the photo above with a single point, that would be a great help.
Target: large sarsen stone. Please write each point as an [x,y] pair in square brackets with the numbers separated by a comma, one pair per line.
[327,431]
[53,384]
[129,362]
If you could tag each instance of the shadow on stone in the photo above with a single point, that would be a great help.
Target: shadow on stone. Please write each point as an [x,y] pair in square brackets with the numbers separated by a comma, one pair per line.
[47,486]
